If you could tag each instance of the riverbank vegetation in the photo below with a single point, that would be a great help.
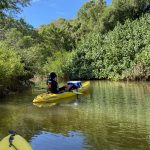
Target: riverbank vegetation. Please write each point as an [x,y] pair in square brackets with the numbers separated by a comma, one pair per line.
[102,42]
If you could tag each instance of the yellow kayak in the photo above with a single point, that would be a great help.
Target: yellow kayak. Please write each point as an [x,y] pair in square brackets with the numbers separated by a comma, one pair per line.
[18,143]
[45,97]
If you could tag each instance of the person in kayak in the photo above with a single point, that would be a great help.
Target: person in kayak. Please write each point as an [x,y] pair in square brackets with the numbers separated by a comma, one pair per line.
[53,84]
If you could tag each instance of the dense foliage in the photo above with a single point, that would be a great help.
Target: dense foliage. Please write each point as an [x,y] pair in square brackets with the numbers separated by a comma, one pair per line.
[120,54]
[103,42]
[20,51]
[117,47]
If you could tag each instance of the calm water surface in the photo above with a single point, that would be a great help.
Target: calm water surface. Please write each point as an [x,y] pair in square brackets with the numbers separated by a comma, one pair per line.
[113,116]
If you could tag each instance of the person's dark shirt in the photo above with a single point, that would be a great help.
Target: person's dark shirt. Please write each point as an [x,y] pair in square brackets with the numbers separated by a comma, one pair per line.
[54,86]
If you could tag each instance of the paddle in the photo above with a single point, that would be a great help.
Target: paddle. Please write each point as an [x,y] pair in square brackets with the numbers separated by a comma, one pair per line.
[78,93]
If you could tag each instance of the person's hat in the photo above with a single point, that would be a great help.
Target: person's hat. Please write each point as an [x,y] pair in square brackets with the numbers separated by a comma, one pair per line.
[53,75]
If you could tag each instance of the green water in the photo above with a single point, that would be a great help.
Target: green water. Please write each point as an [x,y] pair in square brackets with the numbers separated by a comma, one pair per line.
[113,116]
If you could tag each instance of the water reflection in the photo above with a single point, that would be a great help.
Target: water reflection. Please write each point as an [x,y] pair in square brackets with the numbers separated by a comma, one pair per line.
[71,100]
[71,141]
[113,116]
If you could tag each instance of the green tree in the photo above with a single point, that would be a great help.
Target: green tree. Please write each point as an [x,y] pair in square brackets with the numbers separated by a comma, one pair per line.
[57,63]
[56,37]
[120,11]
[27,48]
[12,6]
[10,65]
[90,13]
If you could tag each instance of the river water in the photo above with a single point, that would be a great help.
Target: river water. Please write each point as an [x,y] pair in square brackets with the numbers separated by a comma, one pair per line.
[113,116]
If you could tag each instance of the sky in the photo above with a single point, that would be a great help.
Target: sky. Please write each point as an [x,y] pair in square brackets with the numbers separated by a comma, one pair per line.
[45,11]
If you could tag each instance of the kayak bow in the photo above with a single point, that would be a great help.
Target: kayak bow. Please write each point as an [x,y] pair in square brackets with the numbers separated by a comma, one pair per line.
[18,143]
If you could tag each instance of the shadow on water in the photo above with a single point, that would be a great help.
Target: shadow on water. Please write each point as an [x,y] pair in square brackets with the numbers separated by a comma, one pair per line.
[113,116]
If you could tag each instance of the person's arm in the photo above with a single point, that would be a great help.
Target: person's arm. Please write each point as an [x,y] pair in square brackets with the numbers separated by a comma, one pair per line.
[49,85]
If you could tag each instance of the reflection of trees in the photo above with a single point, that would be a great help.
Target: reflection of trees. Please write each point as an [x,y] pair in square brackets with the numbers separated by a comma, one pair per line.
[120,116]
[113,116]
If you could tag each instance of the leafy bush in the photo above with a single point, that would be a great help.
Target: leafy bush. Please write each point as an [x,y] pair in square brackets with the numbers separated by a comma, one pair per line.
[56,63]
[114,54]
[124,44]
[10,65]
